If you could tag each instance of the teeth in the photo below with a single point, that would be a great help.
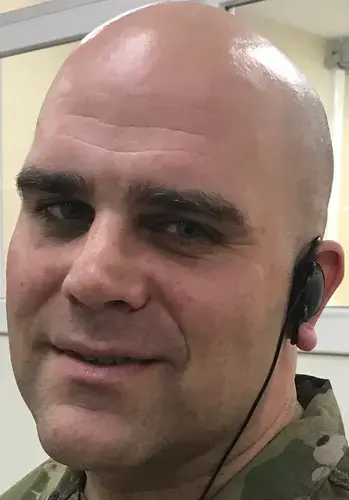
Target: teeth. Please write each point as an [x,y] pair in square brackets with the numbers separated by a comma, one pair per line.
[107,360]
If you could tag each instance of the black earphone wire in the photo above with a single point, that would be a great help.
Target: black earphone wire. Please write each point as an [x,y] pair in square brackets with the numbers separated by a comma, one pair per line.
[248,418]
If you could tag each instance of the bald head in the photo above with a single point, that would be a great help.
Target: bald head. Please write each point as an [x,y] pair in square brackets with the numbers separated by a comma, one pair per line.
[184,54]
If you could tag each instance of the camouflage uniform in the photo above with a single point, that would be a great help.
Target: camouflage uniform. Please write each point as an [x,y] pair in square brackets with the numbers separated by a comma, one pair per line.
[309,459]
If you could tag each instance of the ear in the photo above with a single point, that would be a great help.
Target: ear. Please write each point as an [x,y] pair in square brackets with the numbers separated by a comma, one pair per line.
[330,256]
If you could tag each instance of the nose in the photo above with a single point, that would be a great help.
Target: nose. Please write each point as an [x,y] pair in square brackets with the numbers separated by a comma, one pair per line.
[106,272]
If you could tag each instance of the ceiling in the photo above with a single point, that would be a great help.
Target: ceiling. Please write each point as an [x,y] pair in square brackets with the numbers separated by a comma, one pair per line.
[328,18]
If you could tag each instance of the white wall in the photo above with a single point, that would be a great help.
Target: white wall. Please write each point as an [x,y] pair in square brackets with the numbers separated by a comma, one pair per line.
[20,450]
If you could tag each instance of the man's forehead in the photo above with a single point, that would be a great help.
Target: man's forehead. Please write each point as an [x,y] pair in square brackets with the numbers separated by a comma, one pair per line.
[144,55]
[154,137]
[221,105]
[138,69]
[221,144]
[146,77]
[208,107]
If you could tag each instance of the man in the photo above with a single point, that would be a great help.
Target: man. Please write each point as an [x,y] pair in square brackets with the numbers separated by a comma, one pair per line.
[177,184]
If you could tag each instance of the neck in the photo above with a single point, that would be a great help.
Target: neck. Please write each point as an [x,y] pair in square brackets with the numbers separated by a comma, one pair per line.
[277,409]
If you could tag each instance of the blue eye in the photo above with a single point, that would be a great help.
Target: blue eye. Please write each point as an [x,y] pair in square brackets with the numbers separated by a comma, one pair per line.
[187,230]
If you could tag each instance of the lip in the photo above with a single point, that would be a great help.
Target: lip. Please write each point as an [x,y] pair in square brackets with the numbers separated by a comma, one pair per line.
[86,350]
[76,369]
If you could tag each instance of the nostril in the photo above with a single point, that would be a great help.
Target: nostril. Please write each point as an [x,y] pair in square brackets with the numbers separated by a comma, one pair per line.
[74,301]
[121,305]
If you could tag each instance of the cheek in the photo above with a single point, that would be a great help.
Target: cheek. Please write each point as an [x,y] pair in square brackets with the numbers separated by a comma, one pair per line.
[224,317]
[223,307]
[230,317]
[33,275]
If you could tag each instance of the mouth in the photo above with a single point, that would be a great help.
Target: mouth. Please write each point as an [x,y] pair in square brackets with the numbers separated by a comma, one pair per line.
[108,360]
[90,364]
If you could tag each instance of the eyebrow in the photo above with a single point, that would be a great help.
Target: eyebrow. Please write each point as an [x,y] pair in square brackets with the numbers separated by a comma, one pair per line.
[191,201]
[147,195]
[64,183]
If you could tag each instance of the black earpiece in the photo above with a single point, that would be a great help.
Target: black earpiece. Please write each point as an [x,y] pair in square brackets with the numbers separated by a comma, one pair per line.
[306,292]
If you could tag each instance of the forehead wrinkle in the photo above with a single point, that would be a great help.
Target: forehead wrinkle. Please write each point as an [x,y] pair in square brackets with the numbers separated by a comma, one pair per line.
[155,112]
[116,152]
[119,133]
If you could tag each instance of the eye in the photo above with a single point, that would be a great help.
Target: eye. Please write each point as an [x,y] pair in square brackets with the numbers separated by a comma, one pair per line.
[187,230]
[68,211]
[66,217]
[176,233]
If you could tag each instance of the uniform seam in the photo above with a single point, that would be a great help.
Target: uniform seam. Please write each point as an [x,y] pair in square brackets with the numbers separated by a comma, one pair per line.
[317,486]
[339,478]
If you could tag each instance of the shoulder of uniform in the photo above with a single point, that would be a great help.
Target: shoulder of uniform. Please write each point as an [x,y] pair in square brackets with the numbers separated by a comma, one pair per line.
[37,484]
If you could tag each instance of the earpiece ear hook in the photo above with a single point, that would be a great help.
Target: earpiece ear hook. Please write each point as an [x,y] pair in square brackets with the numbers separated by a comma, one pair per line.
[306,291]
[314,246]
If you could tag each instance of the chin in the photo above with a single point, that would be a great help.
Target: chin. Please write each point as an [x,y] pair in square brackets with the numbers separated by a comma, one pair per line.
[82,440]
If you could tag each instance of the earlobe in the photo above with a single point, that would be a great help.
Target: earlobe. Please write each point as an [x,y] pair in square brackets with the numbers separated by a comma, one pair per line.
[307,339]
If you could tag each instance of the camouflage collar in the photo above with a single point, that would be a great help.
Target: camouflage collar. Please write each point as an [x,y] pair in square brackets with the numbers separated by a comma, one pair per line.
[296,463]
[70,486]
